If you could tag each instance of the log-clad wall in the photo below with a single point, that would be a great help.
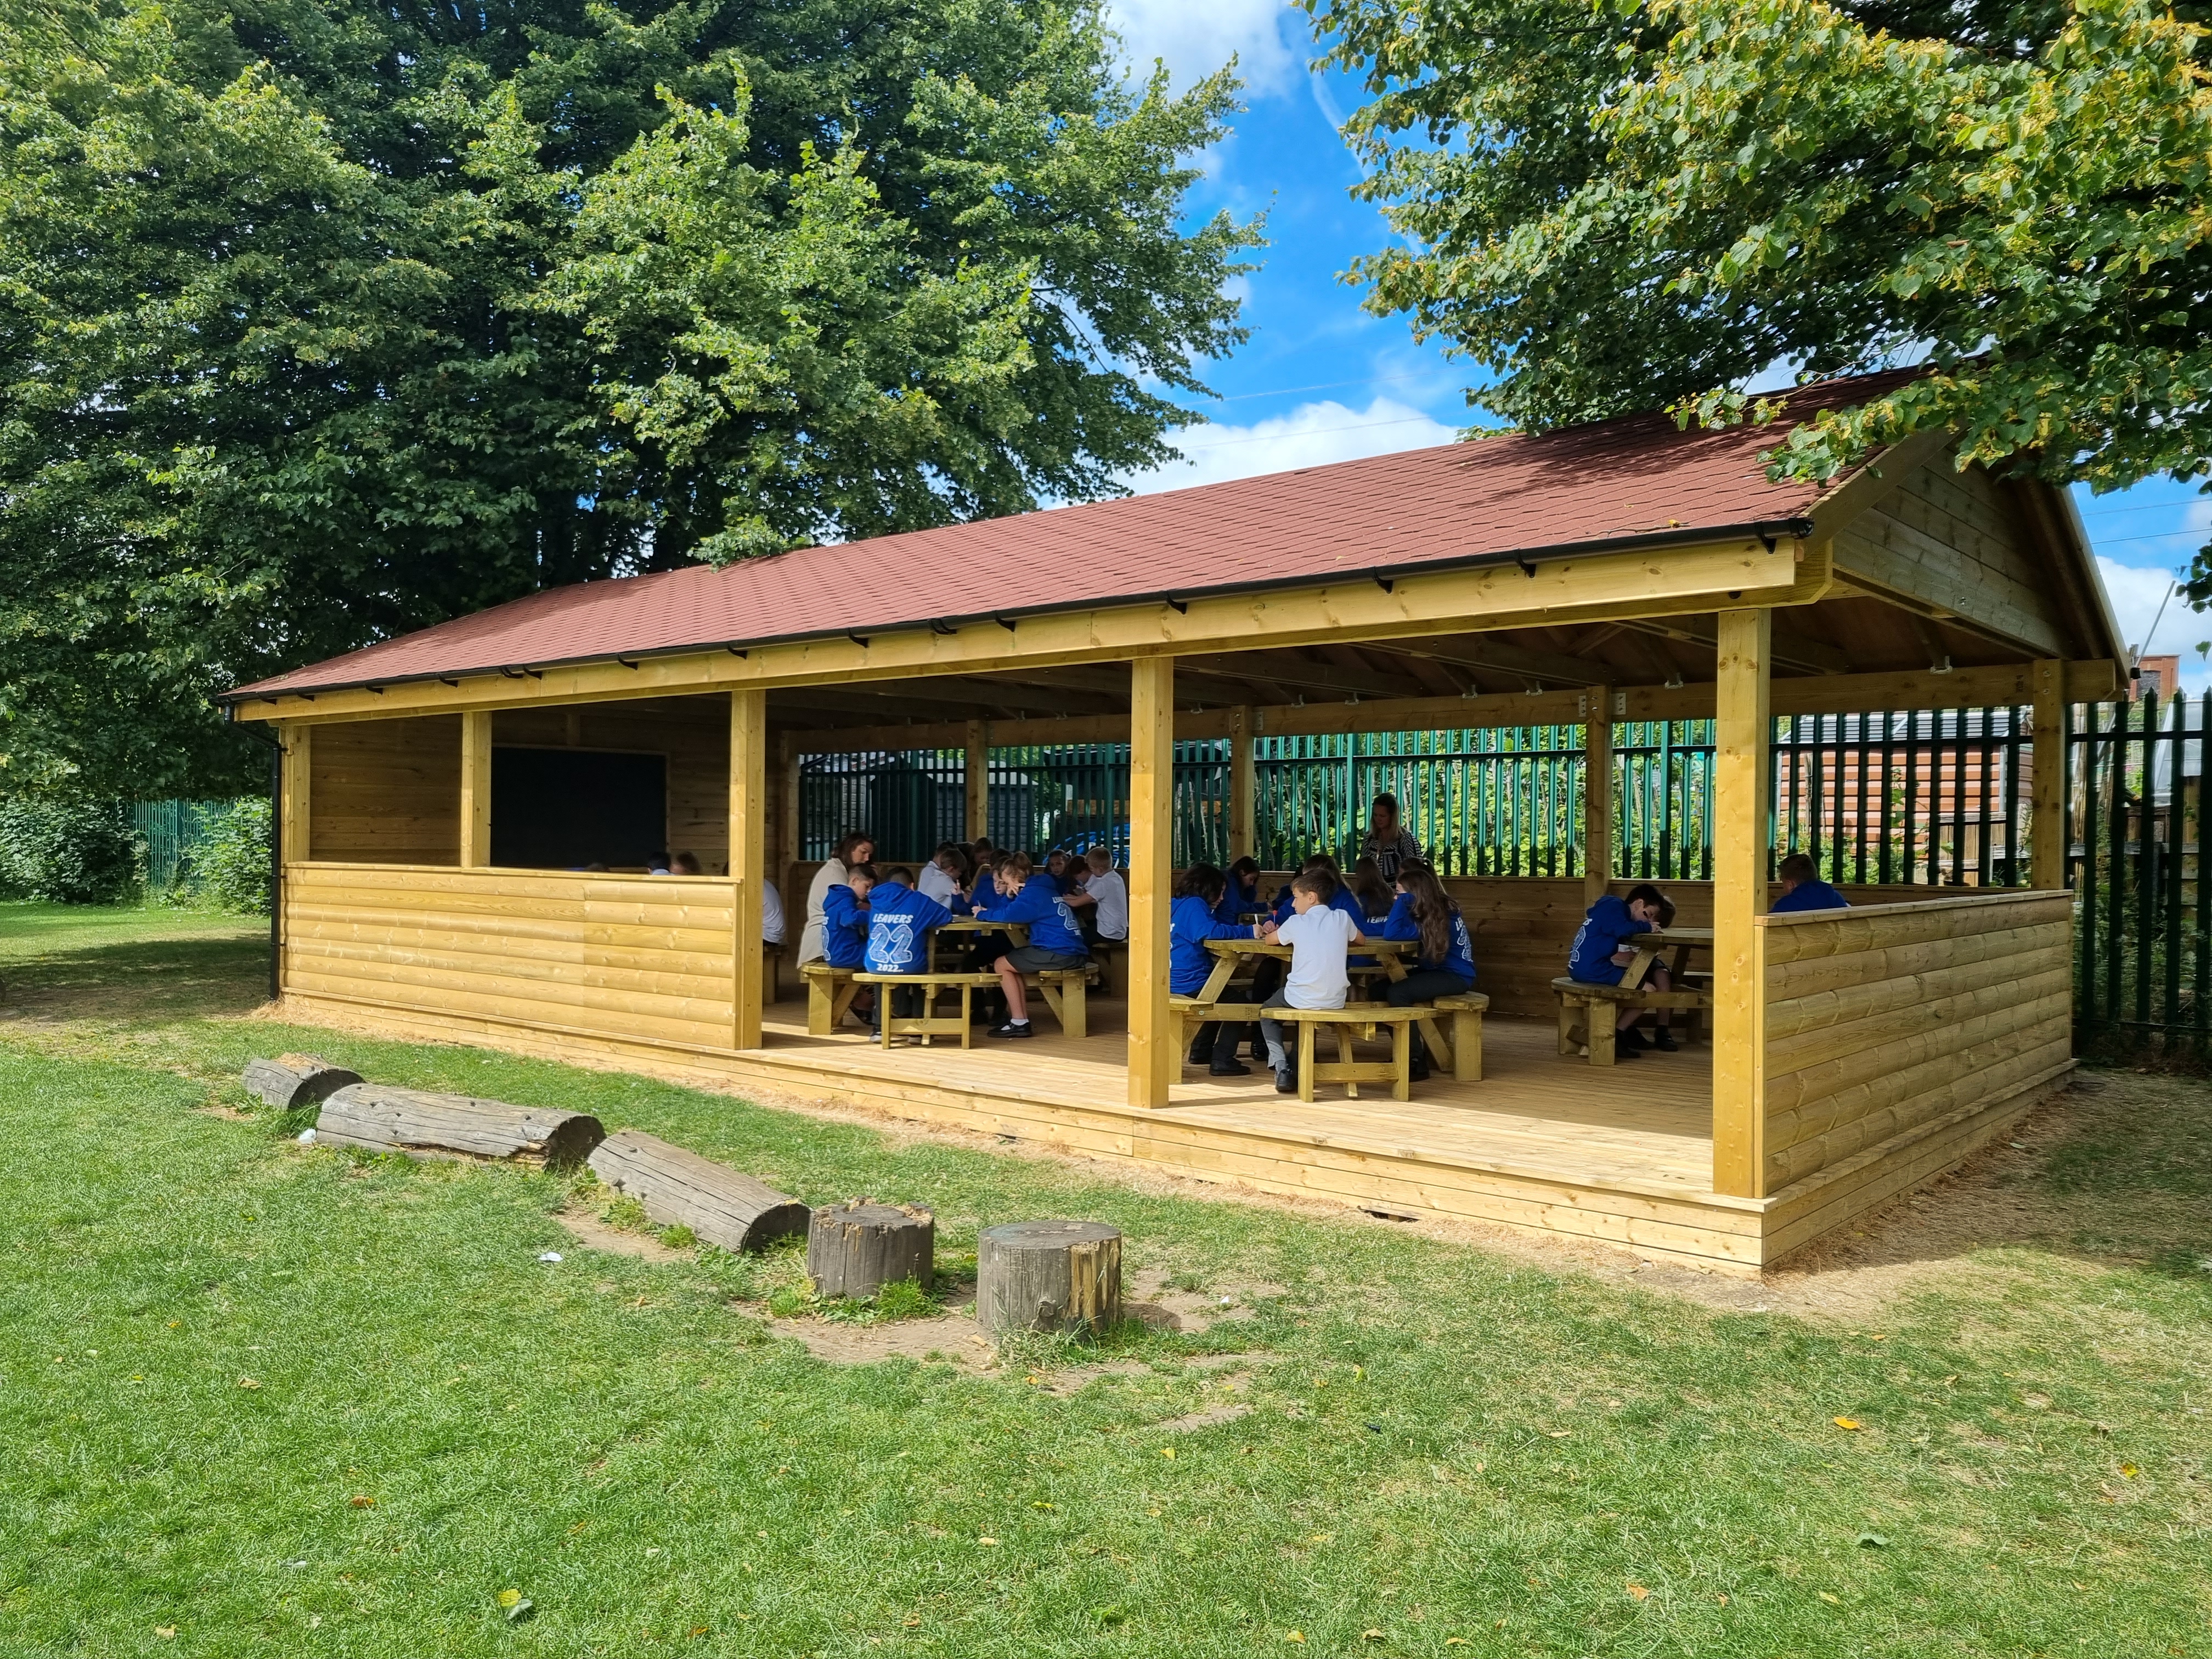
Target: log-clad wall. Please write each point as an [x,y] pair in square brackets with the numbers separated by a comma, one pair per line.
[607,955]
[386,791]
[1880,1023]
[693,733]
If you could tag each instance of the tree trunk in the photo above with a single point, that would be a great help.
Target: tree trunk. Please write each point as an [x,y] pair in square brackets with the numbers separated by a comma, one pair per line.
[293,1080]
[722,1205]
[423,1124]
[1049,1276]
[857,1248]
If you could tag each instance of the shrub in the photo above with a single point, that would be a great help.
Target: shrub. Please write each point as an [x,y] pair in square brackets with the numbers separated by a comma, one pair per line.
[233,862]
[68,849]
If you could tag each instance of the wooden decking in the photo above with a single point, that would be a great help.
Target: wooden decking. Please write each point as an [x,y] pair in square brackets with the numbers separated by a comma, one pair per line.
[1533,1112]
[1543,1144]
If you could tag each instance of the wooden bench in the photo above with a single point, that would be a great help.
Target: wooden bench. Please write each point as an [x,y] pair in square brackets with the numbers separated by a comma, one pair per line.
[1193,1013]
[1362,1019]
[829,994]
[1584,1029]
[1063,990]
[1110,956]
[928,1023]
[1463,1054]
[771,973]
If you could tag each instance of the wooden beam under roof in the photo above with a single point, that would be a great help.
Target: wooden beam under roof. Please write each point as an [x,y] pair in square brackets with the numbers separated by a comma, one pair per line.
[965,697]
[1503,656]
[1300,671]
[1788,650]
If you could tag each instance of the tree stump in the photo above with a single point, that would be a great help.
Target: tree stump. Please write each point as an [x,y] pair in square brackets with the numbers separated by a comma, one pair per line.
[1062,1276]
[722,1205]
[856,1248]
[426,1125]
[294,1080]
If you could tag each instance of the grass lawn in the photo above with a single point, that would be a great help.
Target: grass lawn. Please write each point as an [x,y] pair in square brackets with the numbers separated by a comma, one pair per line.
[266,1399]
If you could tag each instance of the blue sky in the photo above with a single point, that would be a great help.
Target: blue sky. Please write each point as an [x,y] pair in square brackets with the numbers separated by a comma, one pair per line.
[1322,380]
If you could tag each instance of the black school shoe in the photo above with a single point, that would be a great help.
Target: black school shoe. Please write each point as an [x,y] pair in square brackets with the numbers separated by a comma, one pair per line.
[1227,1068]
[1631,1037]
[1664,1042]
[1286,1082]
[1011,1029]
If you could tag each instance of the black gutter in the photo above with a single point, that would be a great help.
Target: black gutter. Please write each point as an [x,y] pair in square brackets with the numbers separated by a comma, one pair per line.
[1766,530]
[276,844]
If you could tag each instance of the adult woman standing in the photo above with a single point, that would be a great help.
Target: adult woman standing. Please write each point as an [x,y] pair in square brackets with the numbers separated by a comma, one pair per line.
[1387,842]
[857,847]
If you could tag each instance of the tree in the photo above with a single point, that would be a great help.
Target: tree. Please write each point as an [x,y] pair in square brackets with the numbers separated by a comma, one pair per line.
[320,321]
[1612,204]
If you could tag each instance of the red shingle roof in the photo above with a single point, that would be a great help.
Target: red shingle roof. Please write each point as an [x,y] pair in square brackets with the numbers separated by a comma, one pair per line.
[1610,482]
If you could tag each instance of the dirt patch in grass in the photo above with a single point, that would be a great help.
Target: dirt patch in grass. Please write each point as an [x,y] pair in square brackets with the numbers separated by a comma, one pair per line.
[952,1339]
[594,1234]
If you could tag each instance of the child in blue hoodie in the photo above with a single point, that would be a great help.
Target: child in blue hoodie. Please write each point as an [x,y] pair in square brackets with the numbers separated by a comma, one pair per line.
[1193,919]
[1444,966]
[845,918]
[1029,896]
[1602,950]
[900,920]
[845,928]
[1240,892]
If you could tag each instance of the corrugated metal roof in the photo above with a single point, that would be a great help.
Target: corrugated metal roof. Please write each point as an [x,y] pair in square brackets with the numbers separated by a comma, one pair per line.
[1608,483]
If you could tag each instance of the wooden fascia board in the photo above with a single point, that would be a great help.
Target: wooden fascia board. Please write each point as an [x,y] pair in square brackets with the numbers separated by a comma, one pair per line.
[1831,694]
[2053,510]
[1591,587]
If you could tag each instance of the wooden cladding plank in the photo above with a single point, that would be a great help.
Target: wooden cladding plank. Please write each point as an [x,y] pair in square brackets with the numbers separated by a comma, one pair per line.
[1810,975]
[696,1023]
[1798,1091]
[367,771]
[1902,1022]
[2001,1073]
[647,972]
[1880,927]
[1827,1011]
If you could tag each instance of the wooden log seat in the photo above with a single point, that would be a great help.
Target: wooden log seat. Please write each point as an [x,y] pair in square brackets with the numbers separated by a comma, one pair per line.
[856,1248]
[929,1023]
[829,994]
[1057,1276]
[1362,1019]
[677,1187]
[291,1081]
[1583,1030]
[421,1124]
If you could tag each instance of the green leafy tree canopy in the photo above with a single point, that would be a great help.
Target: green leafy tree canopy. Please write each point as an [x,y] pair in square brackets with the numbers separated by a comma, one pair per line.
[320,320]
[1611,203]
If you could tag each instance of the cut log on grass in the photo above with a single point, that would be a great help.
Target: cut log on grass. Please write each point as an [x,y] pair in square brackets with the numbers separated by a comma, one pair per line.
[426,1125]
[1063,1276]
[722,1205]
[294,1080]
[856,1248]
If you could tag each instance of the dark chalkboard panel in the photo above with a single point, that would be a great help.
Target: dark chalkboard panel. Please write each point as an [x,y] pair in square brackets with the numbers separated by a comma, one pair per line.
[560,809]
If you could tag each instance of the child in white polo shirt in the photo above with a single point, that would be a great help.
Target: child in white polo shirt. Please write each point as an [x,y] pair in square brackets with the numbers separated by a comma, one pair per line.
[1320,938]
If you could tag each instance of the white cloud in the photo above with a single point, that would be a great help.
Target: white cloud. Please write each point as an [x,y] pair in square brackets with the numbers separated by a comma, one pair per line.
[1196,40]
[2137,593]
[1310,435]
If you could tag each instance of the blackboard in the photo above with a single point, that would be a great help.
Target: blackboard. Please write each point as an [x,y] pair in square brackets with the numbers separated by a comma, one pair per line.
[560,809]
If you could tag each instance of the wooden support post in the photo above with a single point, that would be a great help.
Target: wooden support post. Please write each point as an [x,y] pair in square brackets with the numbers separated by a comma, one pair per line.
[792,846]
[476,791]
[978,778]
[1597,792]
[1154,1033]
[1244,822]
[748,860]
[1742,731]
[2047,831]
[297,806]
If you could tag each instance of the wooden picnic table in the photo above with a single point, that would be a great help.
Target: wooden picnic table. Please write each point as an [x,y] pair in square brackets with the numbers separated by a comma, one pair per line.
[1019,932]
[1681,941]
[1233,953]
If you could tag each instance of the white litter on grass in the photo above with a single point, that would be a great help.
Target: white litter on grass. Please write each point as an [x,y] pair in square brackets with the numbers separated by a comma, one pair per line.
[550,1255]
[306,1137]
